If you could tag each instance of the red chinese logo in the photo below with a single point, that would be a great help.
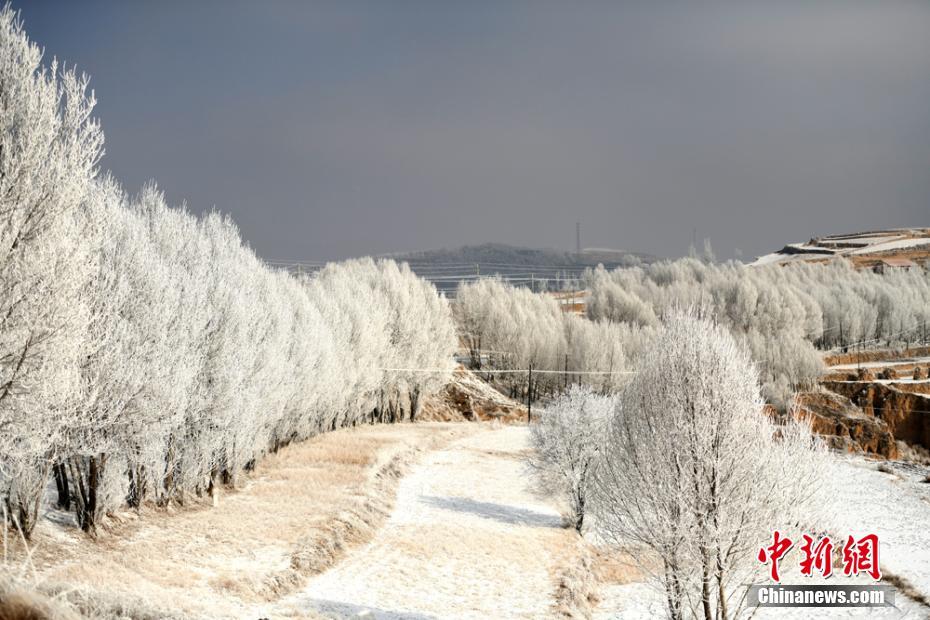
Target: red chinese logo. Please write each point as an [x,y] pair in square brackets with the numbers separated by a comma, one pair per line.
[819,557]
[774,553]
[859,556]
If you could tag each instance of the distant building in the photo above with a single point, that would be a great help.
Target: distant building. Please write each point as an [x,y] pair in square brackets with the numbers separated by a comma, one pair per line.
[891,264]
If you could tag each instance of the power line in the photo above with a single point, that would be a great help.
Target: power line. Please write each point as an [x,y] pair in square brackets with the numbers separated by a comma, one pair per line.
[510,371]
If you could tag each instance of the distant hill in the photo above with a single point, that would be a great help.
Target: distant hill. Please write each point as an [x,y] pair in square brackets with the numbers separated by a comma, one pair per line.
[541,269]
[866,250]
[499,253]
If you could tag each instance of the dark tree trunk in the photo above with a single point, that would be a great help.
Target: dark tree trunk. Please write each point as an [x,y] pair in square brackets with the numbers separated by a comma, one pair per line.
[136,487]
[414,404]
[86,506]
[61,483]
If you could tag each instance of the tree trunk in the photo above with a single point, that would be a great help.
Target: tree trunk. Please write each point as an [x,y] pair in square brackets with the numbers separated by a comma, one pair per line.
[61,483]
[87,509]
[212,488]
[705,585]
[414,404]
[136,486]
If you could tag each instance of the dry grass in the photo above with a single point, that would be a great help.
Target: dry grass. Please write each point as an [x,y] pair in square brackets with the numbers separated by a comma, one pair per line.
[885,469]
[25,603]
[586,569]
[293,516]
[617,568]
[906,588]
[576,585]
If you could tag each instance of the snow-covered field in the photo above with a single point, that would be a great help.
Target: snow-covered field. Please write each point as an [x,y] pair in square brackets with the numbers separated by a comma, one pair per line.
[898,244]
[895,506]
[467,539]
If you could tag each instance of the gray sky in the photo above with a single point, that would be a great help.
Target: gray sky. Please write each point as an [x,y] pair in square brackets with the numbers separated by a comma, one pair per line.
[334,129]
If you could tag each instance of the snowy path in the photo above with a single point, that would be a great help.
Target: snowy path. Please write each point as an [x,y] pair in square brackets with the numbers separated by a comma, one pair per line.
[467,539]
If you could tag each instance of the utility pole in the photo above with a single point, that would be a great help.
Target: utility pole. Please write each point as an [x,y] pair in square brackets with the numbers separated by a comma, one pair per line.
[578,238]
[529,395]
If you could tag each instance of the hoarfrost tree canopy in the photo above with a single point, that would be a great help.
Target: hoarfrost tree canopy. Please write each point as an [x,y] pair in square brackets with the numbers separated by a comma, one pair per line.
[696,474]
[783,314]
[566,441]
[49,149]
[515,328]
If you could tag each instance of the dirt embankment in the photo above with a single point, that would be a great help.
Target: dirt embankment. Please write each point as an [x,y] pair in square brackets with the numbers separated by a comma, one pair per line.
[469,398]
[845,425]
[906,414]
[853,357]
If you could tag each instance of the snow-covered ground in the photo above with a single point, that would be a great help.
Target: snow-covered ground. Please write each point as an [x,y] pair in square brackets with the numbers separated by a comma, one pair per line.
[848,245]
[895,506]
[898,244]
[889,381]
[467,539]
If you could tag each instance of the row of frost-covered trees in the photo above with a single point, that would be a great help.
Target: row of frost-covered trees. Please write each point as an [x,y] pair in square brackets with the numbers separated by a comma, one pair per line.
[147,354]
[511,328]
[783,315]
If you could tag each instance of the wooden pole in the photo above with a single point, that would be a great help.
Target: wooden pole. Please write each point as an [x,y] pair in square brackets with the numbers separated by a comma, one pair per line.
[529,395]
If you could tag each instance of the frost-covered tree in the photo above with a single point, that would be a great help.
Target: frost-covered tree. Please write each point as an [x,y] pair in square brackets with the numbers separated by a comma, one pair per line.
[566,440]
[49,148]
[696,475]
[782,313]
[515,329]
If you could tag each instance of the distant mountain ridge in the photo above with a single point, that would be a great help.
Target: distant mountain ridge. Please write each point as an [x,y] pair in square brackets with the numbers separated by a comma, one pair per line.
[538,269]
[503,254]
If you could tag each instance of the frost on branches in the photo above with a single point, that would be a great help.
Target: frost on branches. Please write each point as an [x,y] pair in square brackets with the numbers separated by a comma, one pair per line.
[566,443]
[695,475]
[49,150]
[783,314]
[517,329]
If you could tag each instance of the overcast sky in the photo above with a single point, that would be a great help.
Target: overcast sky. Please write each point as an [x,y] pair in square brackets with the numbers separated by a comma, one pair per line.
[335,129]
